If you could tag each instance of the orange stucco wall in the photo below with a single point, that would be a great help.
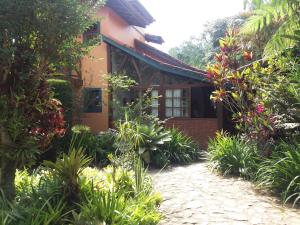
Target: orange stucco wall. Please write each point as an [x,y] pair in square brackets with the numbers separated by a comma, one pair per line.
[113,26]
[95,65]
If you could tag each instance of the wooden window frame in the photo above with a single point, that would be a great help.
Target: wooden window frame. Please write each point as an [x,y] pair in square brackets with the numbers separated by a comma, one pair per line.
[97,110]
[88,34]
[182,99]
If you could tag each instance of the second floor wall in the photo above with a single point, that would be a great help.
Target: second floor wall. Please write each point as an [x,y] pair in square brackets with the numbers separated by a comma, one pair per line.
[115,27]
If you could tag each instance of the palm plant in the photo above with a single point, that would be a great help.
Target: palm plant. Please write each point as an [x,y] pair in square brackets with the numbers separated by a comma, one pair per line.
[68,169]
[281,15]
[141,138]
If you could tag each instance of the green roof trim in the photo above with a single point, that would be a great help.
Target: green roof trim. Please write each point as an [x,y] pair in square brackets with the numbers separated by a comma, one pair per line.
[163,67]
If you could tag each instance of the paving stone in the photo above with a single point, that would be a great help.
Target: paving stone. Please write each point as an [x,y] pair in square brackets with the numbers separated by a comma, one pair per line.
[194,195]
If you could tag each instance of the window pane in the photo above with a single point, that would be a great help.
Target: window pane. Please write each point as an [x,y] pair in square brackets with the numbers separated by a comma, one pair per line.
[169,112]
[176,112]
[155,112]
[154,93]
[184,93]
[154,102]
[92,32]
[169,102]
[176,102]
[177,93]
[168,93]
[92,100]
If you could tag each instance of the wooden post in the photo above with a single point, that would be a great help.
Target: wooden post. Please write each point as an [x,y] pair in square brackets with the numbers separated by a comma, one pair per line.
[220,115]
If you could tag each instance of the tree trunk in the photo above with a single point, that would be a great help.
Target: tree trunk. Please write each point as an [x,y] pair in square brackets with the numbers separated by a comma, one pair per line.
[8,167]
[7,178]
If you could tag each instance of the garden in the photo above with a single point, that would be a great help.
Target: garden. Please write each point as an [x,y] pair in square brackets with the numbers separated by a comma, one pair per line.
[55,171]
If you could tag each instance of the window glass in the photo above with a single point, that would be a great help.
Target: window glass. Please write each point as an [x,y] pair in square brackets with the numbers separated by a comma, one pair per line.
[169,112]
[169,102]
[92,32]
[92,100]
[154,104]
[177,93]
[169,93]
[177,103]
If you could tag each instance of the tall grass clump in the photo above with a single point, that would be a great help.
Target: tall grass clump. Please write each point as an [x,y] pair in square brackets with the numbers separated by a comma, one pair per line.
[232,155]
[281,173]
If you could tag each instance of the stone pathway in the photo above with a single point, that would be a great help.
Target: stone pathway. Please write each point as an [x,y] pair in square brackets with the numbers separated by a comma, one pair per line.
[195,195]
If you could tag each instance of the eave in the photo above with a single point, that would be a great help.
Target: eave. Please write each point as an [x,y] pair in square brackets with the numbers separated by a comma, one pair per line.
[132,11]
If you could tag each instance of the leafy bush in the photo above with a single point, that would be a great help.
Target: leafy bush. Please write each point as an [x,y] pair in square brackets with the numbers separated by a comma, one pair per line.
[141,139]
[182,149]
[98,146]
[67,170]
[63,92]
[69,192]
[281,172]
[158,146]
[232,155]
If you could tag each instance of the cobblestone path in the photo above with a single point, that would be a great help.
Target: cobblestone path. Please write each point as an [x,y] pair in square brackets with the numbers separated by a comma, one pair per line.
[194,195]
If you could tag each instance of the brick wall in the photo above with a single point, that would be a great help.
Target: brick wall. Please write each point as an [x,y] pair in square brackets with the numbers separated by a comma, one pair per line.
[199,129]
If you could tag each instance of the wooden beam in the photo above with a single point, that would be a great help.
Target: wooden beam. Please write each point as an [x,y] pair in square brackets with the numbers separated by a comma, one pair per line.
[125,59]
[220,115]
[137,70]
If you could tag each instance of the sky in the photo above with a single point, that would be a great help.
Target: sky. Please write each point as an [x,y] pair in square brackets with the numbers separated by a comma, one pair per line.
[178,20]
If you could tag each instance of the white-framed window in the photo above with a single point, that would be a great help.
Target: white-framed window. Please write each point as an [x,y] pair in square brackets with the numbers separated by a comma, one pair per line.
[177,103]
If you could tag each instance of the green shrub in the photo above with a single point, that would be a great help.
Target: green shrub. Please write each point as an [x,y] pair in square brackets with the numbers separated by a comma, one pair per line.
[281,172]
[63,92]
[97,146]
[231,155]
[104,207]
[108,195]
[141,139]
[181,149]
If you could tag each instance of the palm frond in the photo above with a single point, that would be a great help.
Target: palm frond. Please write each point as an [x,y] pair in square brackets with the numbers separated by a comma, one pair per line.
[278,41]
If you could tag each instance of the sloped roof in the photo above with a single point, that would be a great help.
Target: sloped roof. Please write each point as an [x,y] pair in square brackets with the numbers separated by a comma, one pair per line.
[131,11]
[158,59]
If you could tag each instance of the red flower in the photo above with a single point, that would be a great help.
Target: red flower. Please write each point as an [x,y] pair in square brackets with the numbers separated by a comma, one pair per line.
[260,108]
[248,56]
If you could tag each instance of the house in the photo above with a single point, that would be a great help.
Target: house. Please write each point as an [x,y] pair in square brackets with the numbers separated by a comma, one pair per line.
[185,91]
